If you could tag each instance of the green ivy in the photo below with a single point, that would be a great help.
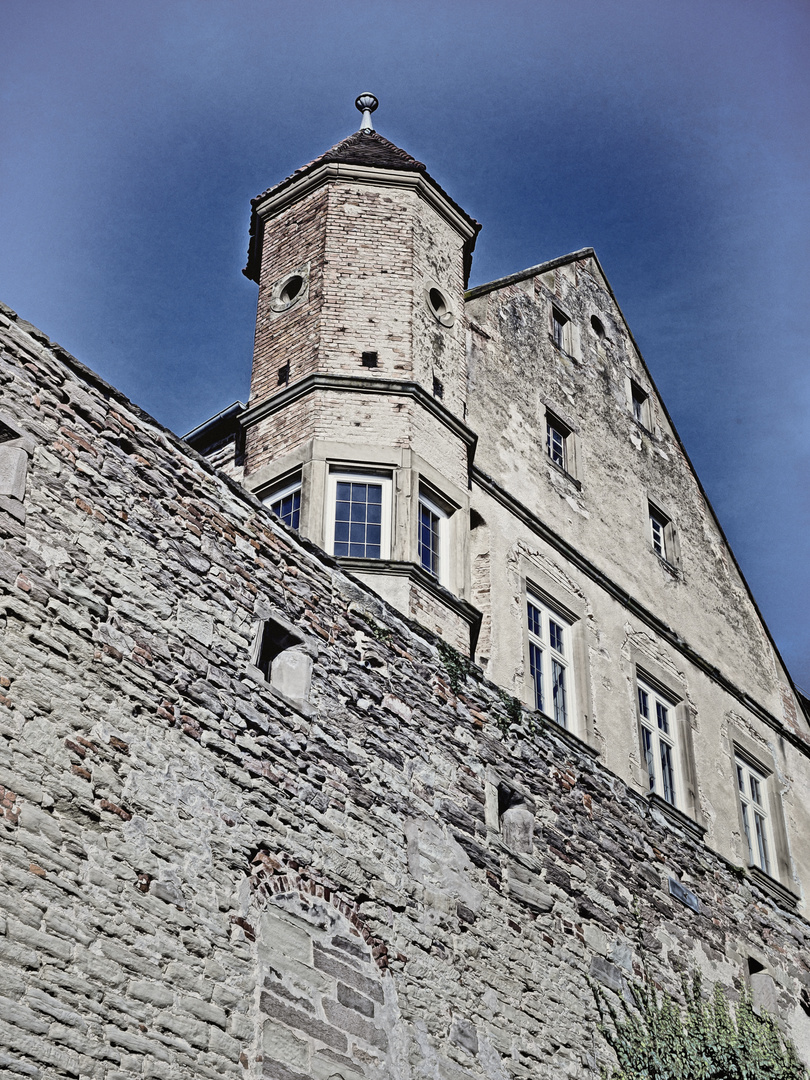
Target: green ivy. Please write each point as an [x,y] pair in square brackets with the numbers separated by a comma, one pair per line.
[654,1038]
[513,709]
[456,665]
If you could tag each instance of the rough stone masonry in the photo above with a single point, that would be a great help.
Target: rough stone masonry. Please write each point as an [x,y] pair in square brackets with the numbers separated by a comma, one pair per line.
[393,875]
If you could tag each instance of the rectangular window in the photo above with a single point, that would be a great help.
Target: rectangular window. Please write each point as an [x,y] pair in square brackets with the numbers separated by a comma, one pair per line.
[549,660]
[434,546]
[752,791]
[359,512]
[429,538]
[641,405]
[662,536]
[657,718]
[560,330]
[285,502]
[558,442]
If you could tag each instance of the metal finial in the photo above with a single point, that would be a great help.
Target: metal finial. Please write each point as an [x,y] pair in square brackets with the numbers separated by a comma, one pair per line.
[366,104]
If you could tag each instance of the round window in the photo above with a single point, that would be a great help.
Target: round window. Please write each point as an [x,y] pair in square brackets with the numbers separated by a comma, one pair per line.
[440,306]
[598,326]
[288,291]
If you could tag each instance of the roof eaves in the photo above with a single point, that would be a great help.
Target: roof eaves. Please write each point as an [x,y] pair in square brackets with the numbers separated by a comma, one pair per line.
[532,271]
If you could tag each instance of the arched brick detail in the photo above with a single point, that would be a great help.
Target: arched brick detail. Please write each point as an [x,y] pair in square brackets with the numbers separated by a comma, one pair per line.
[274,874]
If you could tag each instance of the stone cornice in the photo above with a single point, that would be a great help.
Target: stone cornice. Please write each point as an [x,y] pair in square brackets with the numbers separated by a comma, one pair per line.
[665,632]
[277,201]
[359,384]
[417,574]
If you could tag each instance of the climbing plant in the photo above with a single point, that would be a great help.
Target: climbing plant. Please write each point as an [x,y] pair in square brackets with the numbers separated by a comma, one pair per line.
[655,1038]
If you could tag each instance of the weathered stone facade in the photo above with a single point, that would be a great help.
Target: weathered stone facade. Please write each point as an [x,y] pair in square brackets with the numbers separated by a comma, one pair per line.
[257,823]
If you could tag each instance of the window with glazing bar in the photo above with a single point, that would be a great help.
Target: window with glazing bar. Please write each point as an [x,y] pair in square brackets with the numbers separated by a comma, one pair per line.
[358,517]
[752,790]
[285,502]
[549,659]
[658,745]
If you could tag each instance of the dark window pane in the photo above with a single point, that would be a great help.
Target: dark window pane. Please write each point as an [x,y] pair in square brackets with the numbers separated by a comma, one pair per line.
[344,491]
[536,669]
[341,532]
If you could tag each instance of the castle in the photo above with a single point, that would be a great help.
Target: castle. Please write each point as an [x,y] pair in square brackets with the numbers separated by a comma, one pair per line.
[351,736]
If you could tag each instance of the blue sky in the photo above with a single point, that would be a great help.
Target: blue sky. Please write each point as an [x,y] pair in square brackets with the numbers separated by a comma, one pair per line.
[670,135]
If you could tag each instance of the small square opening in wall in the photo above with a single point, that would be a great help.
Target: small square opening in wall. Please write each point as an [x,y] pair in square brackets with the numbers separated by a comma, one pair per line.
[275,639]
[369,359]
[438,388]
[283,374]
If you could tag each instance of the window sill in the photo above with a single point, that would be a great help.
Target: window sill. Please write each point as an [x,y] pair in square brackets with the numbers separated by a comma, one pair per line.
[667,565]
[564,472]
[303,708]
[566,734]
[676,817]
[783,896]
[565,352]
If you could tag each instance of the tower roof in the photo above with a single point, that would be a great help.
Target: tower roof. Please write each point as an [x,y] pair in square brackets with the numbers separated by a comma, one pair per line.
[366,148]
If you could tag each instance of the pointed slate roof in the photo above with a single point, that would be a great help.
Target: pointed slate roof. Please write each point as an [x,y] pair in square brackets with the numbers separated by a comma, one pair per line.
[364,147]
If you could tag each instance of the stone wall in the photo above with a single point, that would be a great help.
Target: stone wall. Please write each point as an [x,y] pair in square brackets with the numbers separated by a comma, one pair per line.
[201,878]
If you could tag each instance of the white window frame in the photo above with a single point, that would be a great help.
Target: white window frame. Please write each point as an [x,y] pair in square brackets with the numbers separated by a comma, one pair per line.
[348,474]
[560,329]
[658,739]
[551,652]
[443,553]
[753,798]
[276,495]
[564,432]
[662,536]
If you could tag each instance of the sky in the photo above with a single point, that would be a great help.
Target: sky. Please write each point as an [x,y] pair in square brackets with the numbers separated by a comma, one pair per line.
[673,136]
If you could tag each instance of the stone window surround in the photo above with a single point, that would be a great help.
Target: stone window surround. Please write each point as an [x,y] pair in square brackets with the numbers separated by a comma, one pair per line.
[533,580]
[285,485]
[637,392]
[742,745]
[671,560]
[16,450]
[552,411]
[654,675]
[290,675]
[353,472]
[410,474]
[279,307]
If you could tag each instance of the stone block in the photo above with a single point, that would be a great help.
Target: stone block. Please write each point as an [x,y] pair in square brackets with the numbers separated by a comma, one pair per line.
[326,962]
[348,1020]
[352,1000]
[281,1044]
[305,1024]
[13,471]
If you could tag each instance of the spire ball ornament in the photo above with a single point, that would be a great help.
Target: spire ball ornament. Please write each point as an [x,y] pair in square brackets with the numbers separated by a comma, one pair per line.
[366,104]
